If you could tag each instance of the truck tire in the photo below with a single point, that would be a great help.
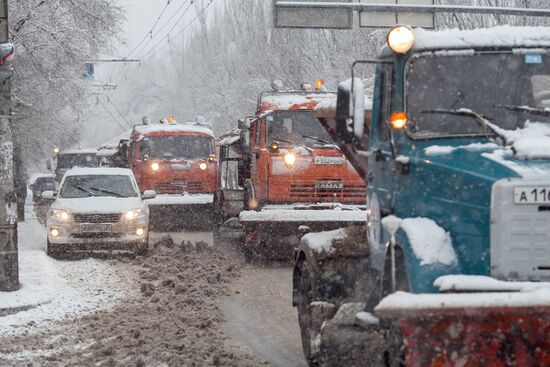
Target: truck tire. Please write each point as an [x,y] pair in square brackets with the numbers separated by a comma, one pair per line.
[304,313]
[51,252]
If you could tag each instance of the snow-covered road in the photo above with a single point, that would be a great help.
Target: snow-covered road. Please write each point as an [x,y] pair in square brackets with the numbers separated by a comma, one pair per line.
[187,302]
[61,289]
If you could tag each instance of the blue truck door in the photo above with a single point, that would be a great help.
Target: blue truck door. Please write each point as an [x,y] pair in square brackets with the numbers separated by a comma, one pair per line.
[380,176]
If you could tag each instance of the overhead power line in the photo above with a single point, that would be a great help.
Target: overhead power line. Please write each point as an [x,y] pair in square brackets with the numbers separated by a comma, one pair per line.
[150,33]
[111,114]
[146,57]
[156,34]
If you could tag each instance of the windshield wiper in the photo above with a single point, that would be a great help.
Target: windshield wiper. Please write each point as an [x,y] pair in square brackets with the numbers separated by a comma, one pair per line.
[321,141]
[108,192]
[78,187]
[532,110]
[480,119]
[293,142]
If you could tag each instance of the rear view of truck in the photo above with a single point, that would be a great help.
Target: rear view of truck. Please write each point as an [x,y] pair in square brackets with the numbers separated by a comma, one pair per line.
[177,161]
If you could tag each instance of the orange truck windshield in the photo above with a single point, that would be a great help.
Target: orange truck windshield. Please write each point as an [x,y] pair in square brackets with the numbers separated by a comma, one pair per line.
[176,147]
[290,128]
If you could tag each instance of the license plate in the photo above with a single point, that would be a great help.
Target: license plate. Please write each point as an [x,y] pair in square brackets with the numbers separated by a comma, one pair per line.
[180,184]
[532,195]
[329,185]
[96,227]
[329,160]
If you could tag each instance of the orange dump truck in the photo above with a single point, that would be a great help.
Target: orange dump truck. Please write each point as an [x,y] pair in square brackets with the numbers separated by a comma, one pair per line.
[178,162]
[292,175]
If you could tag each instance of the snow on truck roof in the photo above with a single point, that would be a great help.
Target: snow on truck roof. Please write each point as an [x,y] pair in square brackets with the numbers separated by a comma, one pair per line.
[294,101]
[495,37]
[101,171]
[79,151]
[174,128]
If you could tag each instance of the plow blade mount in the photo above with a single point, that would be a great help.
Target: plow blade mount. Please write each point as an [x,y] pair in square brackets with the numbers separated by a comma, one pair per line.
[489,329]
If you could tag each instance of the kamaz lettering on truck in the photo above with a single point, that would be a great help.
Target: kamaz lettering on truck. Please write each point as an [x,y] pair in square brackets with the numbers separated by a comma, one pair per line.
[177,161]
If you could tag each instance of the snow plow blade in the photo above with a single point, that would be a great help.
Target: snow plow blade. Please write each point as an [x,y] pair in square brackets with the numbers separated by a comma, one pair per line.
[174,212]
[275,232]
[472,329]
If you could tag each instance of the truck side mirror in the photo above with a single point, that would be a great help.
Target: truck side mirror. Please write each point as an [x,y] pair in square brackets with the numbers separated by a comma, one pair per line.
[350,110]
[48,165]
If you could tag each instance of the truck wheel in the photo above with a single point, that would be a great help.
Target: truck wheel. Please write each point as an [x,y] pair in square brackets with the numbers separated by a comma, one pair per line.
[50,251]
[304,313]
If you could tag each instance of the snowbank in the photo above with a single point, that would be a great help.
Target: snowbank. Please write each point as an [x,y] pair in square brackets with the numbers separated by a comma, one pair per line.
[60,289]
[321,242]
[37,277]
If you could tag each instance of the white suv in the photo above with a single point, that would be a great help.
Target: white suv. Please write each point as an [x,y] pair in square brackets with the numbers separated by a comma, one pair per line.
[98,209]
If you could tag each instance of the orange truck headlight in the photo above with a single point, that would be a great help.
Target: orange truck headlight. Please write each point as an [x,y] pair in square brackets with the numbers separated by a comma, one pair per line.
[290,159]
[203,166]
[155,166]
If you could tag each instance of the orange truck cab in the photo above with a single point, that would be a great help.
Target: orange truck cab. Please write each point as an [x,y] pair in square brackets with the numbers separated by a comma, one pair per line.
[297,179]
[177,161]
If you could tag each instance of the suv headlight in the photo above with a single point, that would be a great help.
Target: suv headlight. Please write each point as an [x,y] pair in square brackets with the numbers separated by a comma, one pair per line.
[133,214]
[61,214]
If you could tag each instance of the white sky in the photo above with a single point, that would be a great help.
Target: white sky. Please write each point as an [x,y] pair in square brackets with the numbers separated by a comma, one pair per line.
[140,17]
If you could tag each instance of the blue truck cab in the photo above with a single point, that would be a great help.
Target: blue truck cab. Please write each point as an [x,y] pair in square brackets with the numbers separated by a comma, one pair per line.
[459,149]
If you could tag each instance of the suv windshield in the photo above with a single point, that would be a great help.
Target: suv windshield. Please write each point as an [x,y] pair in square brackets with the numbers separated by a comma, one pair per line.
[490,84]
[296,128]
[77,160]
[97,185]
[176,147]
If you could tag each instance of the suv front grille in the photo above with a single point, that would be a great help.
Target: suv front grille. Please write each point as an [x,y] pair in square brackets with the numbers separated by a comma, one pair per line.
[97,218]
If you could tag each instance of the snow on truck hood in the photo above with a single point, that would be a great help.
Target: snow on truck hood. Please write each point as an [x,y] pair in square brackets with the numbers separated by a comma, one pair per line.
[527,153]
[98,205]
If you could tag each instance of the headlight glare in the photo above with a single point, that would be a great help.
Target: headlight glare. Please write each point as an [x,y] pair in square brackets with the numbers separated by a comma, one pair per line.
[133,214]
[203,166]
[290,159]
[61,214]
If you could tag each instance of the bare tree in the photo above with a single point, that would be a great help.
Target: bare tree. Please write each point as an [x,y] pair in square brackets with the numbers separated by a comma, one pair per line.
[54,39]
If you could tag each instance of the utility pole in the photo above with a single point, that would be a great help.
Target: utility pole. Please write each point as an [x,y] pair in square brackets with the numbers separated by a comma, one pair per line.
[9,267]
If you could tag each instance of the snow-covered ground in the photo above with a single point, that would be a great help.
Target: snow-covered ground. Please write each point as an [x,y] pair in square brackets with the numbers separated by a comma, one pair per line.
[52,290]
